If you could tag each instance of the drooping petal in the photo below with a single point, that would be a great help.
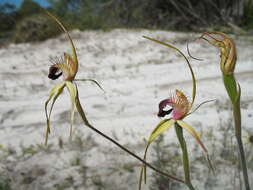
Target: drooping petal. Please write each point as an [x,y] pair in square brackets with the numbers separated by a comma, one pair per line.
[54,93]
[192,131]
[73,95]
[159,129]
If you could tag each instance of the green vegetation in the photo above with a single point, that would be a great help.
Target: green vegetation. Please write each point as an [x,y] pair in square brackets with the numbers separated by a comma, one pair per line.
[35,28]
[4,184]
[108,14]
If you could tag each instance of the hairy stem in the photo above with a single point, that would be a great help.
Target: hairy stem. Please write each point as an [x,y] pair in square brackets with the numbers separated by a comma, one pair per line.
[86,122]
[180,136]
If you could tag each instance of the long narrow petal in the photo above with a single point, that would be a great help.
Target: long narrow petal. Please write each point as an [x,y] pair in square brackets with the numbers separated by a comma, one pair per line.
[159,129]
[73,95]
[92,80]
[192,131]
[80,109]
[187,61]
[72,91]
[73,109]
[55,92]
[201,104]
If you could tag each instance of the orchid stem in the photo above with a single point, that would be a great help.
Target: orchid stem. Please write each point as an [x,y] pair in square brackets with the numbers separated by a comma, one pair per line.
[86,122]
[180,136]
[234,95]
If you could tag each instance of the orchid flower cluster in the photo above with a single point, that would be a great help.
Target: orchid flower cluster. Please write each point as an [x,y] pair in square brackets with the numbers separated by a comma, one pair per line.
[177,105]
[68,67]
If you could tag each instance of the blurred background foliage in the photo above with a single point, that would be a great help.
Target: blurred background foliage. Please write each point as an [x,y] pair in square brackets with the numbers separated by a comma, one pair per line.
[30,23]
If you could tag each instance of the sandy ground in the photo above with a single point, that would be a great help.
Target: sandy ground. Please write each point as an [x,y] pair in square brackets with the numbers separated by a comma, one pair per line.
[136,74]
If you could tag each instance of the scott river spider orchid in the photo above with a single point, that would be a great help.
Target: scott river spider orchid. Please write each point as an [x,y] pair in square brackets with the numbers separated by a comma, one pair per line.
[179,107]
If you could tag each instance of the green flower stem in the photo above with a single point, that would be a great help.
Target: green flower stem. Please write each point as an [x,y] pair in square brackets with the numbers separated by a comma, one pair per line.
[234,95]
[86,122]
[180,136]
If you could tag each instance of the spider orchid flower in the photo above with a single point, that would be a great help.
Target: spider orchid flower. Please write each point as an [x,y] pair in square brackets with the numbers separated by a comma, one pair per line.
[68,67]
[178,106]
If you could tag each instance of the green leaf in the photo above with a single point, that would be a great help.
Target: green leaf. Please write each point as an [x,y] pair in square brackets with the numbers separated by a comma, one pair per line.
[159,129]
[192,131]
[187,61]
[54,93]
[91,80]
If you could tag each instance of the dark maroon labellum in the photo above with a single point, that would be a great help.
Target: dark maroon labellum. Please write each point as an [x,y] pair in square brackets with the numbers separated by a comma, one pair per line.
[162,105]
[52,73]
[162,113]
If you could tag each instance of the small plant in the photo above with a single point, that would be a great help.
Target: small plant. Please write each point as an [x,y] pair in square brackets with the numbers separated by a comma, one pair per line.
[228,55]
[179,107]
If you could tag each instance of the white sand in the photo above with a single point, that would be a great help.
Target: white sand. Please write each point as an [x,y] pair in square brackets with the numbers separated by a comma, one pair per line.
[135,73]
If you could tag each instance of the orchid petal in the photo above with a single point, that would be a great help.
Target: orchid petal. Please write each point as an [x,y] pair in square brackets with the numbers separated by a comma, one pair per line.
[92,80]
[73,109]
[73,95]
[80,109]
[159,129]
[201,104]
[192,131]
[55,91]
[187,61]
[72,91]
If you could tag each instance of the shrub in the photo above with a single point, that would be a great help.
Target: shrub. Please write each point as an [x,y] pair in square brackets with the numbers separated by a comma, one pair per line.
[35,28]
